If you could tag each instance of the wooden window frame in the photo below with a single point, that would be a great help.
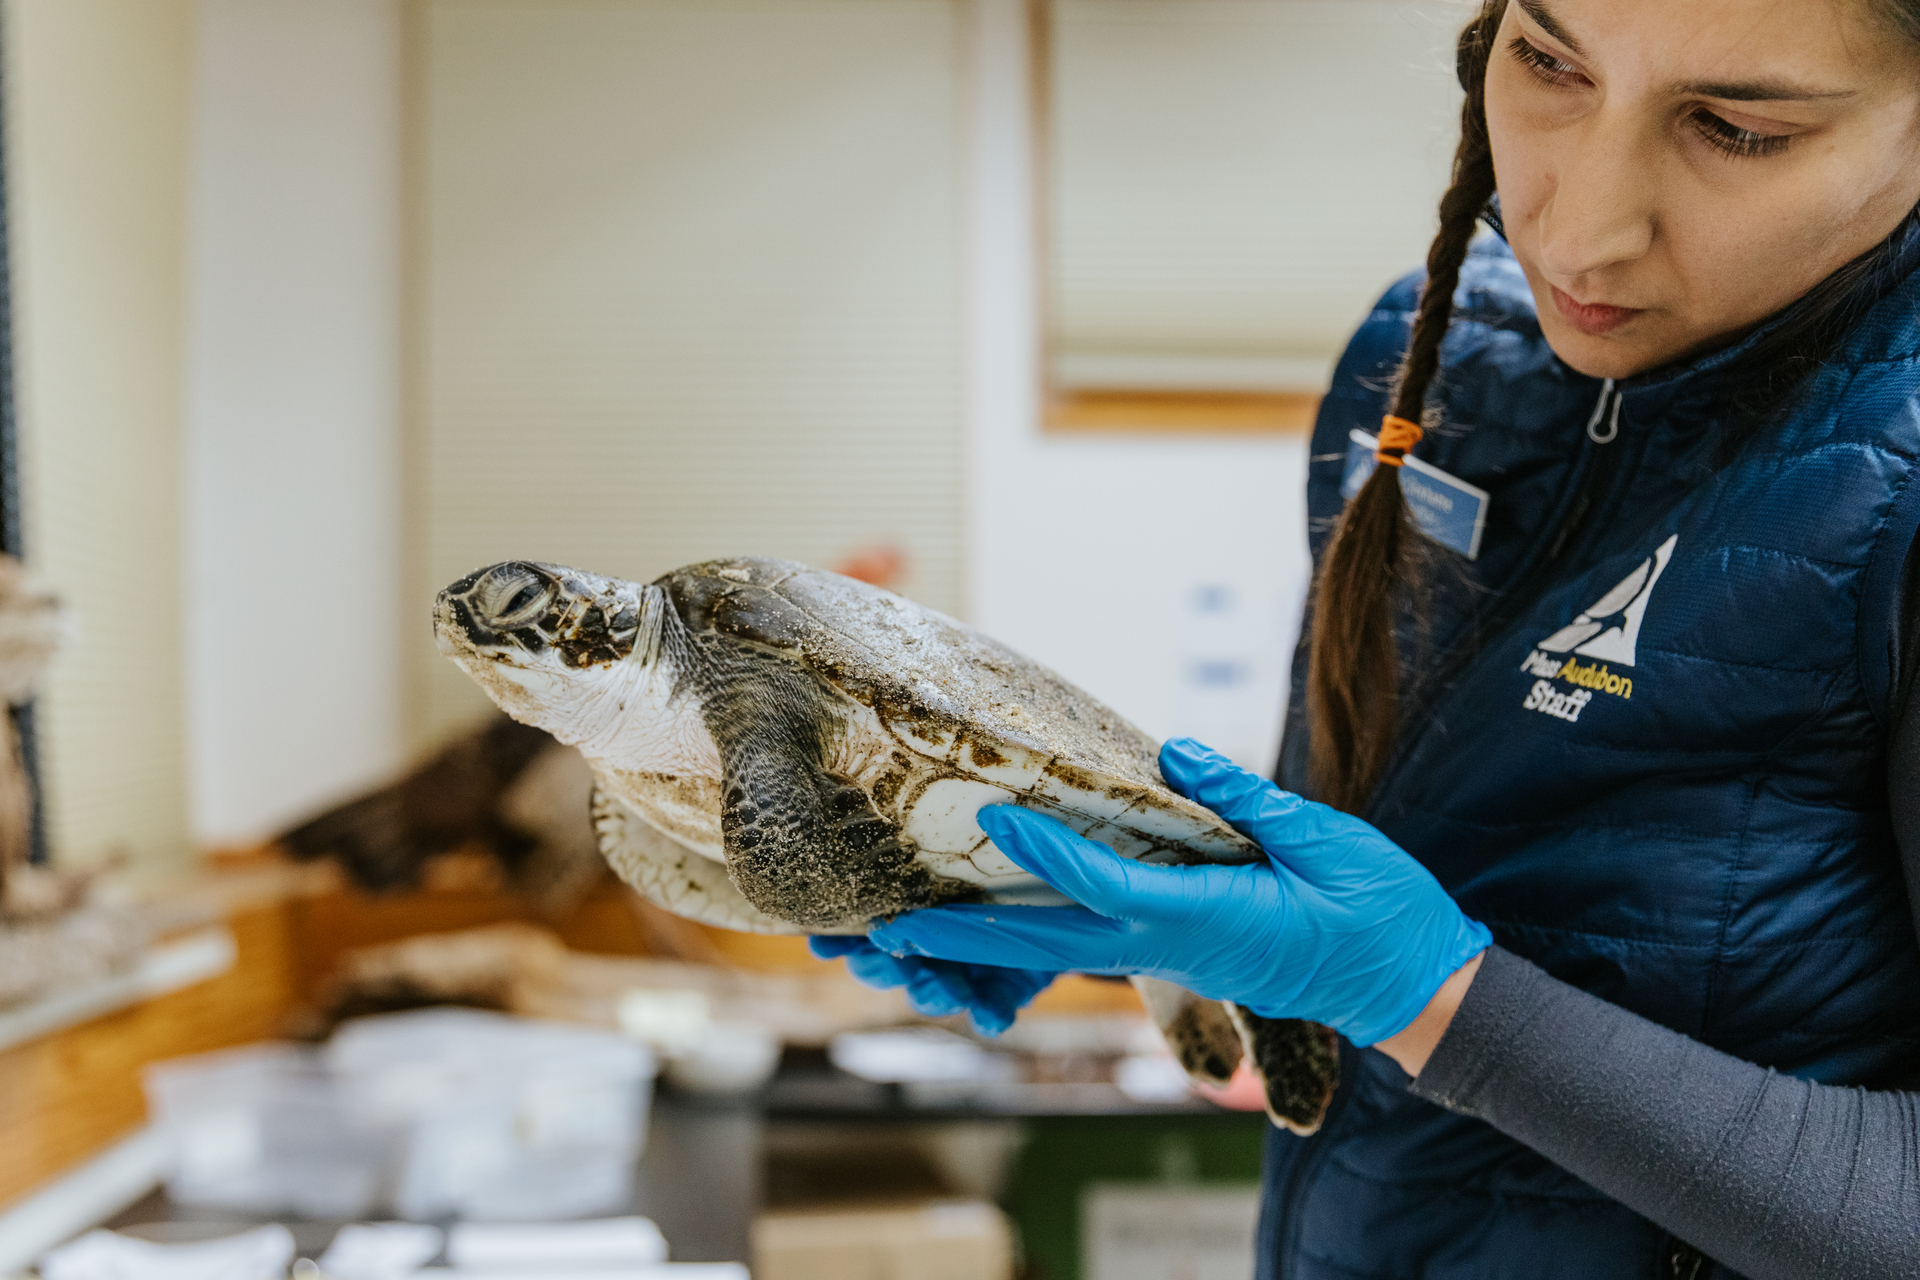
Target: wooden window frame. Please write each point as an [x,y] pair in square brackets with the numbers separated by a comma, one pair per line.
[1123,410]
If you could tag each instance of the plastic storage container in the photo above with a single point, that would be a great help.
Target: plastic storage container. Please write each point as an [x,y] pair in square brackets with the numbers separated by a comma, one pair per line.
[430,1114]
[504,1118]
[264,1129]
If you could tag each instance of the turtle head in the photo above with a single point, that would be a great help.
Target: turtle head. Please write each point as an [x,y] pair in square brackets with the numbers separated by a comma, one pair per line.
[544,640]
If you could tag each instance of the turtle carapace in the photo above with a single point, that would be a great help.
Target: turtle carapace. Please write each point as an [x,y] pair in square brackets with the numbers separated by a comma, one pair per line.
[784,750]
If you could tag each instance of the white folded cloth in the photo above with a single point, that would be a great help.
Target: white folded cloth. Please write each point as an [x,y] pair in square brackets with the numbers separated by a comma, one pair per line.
[260,1254]
[380,1250]
[599,1243]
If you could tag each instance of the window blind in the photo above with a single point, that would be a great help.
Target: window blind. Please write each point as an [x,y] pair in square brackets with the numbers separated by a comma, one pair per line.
[1234,181]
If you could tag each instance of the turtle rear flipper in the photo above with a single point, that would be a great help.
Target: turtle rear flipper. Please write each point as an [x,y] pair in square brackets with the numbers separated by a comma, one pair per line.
[1298,1063]
[1204,1039]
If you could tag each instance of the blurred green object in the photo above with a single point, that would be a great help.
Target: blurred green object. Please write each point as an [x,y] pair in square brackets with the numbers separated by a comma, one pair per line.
[1062,1155]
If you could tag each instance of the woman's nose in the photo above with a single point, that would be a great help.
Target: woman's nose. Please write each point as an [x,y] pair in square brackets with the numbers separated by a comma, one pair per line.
[1602,209]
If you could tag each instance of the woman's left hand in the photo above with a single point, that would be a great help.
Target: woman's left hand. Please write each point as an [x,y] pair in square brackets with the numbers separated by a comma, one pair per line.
[1338,925]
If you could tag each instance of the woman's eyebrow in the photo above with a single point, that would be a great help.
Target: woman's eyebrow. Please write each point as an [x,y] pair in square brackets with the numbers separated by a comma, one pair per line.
[1543,18]
[1760,90]
[1754,90]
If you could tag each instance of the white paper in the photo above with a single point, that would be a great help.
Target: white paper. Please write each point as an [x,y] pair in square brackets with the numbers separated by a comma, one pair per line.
[606,1242]
[260,1254]
[380,1251]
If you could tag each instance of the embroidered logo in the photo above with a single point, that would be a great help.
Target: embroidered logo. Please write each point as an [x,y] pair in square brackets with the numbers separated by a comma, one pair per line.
[1606,632]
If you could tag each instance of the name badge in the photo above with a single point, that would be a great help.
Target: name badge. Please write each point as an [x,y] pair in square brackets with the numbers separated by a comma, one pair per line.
[1450,511]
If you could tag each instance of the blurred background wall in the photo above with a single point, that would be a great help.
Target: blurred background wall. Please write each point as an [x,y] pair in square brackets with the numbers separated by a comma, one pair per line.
[292,485]
[325,302]
[99,108]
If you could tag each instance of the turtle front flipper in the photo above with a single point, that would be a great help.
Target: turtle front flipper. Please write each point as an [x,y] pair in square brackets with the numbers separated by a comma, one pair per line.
[1298,1063]
[802,843]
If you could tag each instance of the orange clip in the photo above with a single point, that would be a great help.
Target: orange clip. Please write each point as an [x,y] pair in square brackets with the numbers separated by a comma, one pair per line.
[1397,438]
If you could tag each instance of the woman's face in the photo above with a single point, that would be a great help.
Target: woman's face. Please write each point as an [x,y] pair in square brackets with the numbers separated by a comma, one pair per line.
[1673,171]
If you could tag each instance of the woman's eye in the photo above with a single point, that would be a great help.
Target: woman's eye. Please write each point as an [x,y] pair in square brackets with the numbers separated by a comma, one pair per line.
[1543,64]
[1734,140]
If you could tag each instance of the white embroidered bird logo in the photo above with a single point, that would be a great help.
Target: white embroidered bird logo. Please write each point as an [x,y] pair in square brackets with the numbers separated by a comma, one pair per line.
[1611,625]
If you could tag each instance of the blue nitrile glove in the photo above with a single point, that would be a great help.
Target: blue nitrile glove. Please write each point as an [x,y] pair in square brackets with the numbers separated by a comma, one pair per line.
[989,994]
[1339,926]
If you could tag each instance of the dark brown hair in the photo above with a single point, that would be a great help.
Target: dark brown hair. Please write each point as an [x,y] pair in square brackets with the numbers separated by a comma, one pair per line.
[1353,671]
[1374,561]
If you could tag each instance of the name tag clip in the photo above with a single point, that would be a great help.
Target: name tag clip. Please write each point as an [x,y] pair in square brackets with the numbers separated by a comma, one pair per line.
[1449,510]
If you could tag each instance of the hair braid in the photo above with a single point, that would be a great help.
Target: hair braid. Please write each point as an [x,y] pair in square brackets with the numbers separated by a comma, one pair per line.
[1353,670]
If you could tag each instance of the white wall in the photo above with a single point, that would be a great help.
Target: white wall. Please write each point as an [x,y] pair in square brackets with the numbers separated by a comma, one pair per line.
[1088,553]
[97,109]
[693,289]
[292,453]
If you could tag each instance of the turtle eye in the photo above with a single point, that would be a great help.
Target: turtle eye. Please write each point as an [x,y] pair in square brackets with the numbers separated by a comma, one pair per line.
[513,596]
[524,599]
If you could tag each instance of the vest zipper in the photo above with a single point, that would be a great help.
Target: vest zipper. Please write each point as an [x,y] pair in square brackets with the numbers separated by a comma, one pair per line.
[1600,410]
[1682,1261]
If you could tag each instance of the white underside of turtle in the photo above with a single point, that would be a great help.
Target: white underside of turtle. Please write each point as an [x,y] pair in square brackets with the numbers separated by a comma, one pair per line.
[935,810]
[781,750]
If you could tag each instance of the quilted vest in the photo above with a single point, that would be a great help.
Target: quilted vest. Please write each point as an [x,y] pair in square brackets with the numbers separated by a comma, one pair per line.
[1646,745]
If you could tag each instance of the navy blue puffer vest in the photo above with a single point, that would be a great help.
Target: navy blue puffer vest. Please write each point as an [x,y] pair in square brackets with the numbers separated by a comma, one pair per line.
[1646,746]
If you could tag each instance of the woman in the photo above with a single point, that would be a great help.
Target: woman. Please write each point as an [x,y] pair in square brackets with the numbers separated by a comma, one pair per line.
[1629,937]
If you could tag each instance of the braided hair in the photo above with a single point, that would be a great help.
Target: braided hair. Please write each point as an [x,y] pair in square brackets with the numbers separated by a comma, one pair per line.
[1373,559]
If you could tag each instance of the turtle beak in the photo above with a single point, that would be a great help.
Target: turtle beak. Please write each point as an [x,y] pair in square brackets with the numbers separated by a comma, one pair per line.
[442,637]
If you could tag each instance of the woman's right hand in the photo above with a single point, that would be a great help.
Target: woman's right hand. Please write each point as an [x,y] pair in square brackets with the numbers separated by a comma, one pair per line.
[989,994]
[1337,925]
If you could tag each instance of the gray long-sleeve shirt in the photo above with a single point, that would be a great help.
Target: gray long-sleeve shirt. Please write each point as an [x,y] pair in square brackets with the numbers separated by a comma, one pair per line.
[1771,1175]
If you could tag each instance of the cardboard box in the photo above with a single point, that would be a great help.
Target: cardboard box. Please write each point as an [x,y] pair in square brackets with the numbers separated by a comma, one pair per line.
[1156,1231]
[924,1240]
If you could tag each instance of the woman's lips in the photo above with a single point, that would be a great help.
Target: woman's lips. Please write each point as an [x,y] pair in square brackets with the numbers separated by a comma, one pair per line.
[1591,317]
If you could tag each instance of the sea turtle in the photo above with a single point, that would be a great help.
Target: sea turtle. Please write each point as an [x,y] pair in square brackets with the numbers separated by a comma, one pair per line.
[784,750]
